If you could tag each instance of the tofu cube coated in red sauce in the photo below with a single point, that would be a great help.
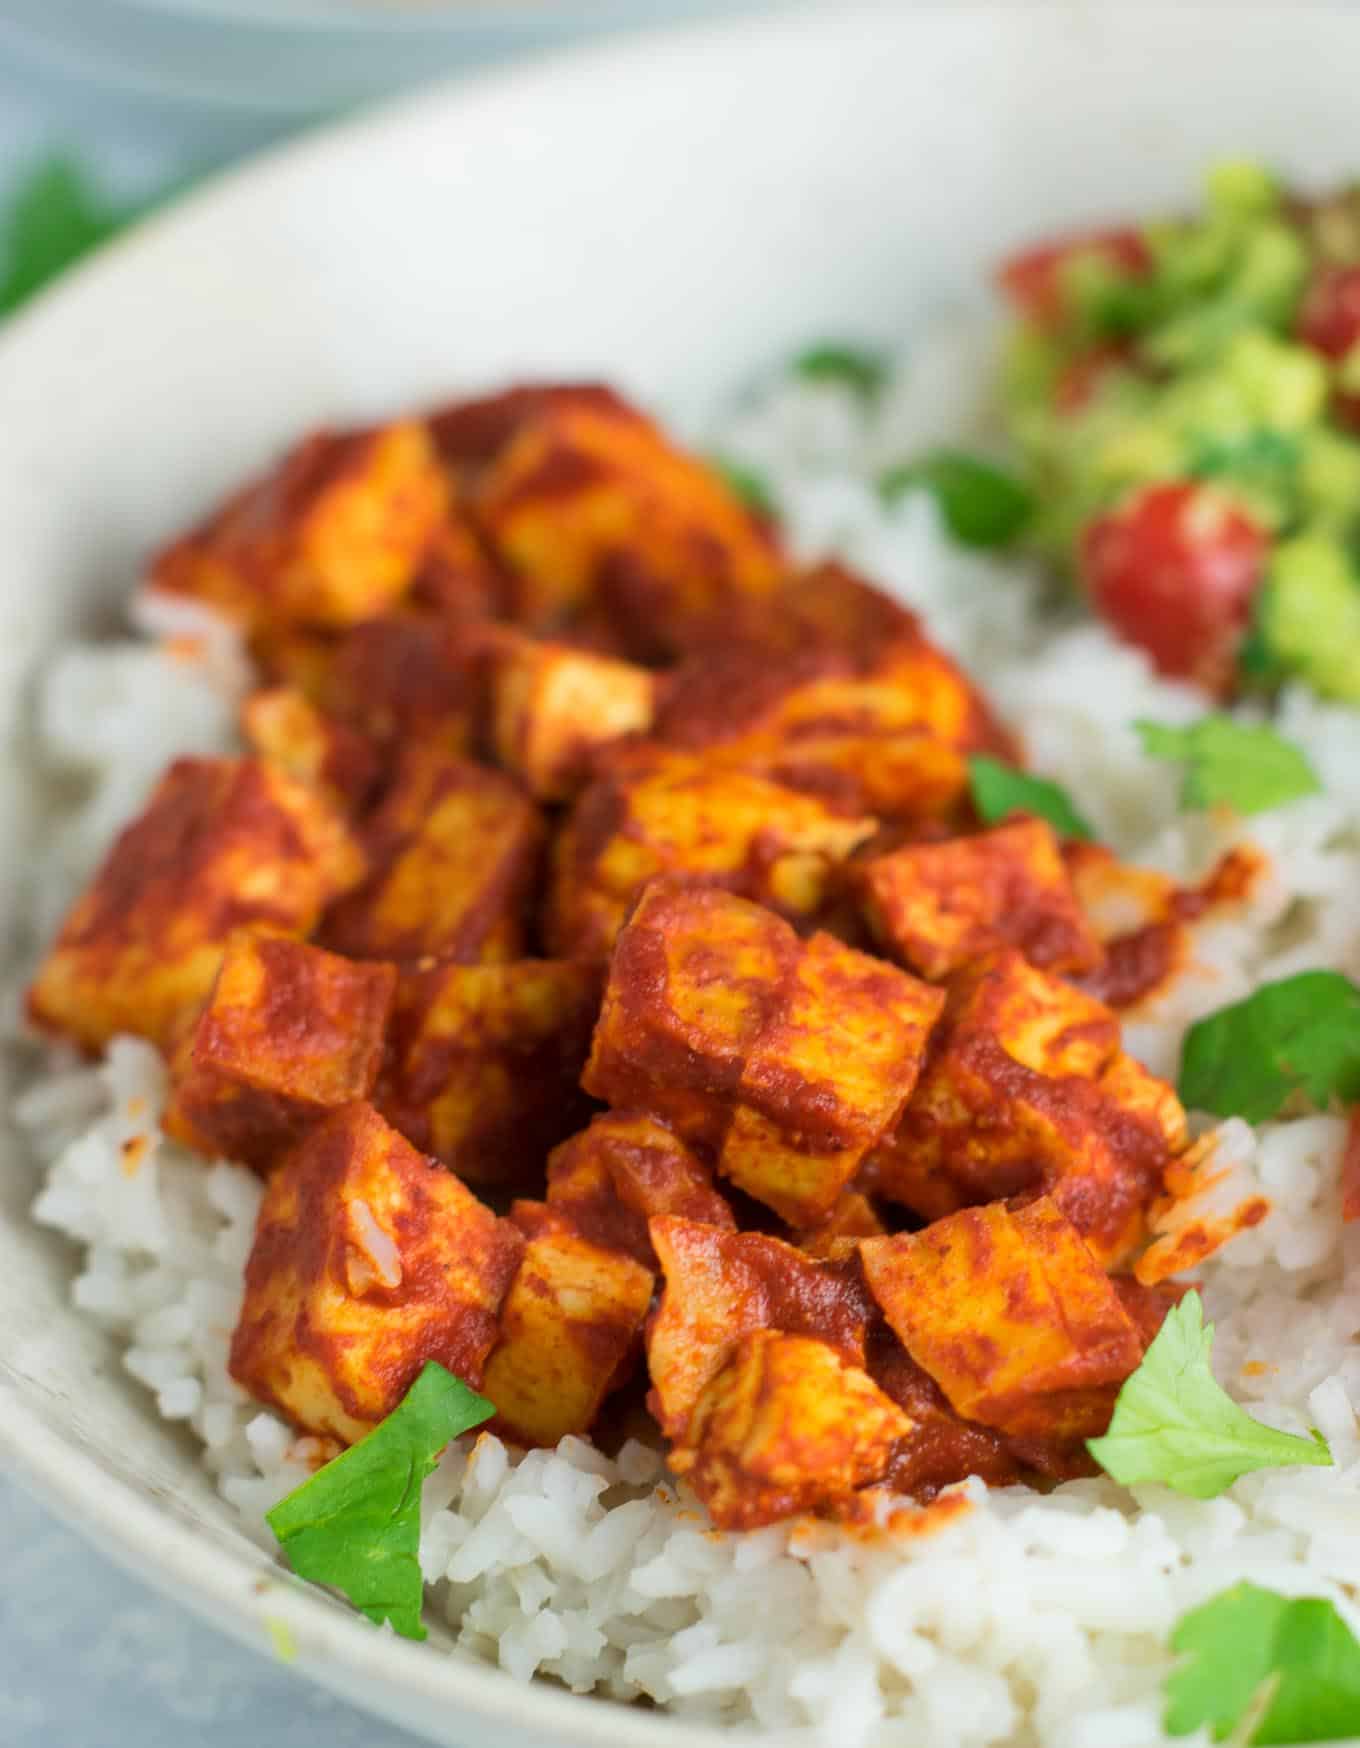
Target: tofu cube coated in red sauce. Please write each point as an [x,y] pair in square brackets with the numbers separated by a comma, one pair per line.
[289,1033]
[485,1062]
[936,906]
[570,1330]
[222,844]
[455,850]
[790,1058]
[334,535]
[1011,1315]
[622,1171]
[369,1260]
[784,1426]
[651,812]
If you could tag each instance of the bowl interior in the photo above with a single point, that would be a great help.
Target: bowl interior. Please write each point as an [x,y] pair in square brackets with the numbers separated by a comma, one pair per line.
[673,214]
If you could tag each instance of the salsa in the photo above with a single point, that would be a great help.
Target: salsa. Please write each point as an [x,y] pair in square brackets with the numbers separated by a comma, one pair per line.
[1185,396]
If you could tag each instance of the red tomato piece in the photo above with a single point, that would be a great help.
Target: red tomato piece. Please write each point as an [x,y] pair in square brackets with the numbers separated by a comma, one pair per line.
[1033,278]
[1329,322]
[1173,569]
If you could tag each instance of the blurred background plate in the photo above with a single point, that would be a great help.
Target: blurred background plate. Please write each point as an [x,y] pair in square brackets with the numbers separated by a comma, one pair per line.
[292,59]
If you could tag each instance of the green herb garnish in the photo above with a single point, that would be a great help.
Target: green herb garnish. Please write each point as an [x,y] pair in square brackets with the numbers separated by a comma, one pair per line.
[1299,1035]
[747,484]
[981,505]
[356,1523]
[56,215]
[1281,1669]
[1174,1423]
[1241,765]
[856,367]
[1000,790]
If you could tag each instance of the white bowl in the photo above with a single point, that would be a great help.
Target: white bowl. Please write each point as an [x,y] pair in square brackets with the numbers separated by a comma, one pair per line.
[669,213]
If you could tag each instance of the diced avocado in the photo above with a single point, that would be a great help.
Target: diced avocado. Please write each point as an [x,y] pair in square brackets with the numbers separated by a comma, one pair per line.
[1282,385]
[1261,286]
[1242,188]
[1310,615]
[1329,477]
[1030,367]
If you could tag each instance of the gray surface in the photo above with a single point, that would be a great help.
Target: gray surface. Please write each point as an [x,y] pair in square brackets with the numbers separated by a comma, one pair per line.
[89,1658]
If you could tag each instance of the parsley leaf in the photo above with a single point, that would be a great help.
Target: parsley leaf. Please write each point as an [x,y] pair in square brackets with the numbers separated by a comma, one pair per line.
[1243,765]
[1000,790]
[1287,1667]
[856,366]
[55,217]
[747,484]
[1174,1423]
[981,505]
[356,1523]
[1301,1034]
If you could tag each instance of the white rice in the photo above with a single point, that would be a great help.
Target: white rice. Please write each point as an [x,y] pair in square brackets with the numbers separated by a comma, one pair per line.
[1018,1619]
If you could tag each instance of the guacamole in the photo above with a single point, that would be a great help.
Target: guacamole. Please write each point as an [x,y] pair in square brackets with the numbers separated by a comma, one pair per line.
[1184,399]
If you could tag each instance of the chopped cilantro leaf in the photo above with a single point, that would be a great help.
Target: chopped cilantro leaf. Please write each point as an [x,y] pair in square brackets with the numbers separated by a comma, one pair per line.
[1275,1668]
[981,504]
[55,217]
[856,366]
[1173,1423]
[747,484]
[1298,1035]
[1240,765]
[1000,790]
[356,1523]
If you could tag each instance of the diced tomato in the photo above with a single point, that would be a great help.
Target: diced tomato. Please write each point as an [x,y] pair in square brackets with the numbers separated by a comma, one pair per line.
[1032,279]
[1080,378]
[1350,1169]
[1173,569]
[1329,322]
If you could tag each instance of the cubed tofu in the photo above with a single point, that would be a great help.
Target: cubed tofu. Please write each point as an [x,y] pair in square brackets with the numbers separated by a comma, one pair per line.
[825,1078]
[856,664]
[1011,1315]
[289,1033]
[693,980]
[589,503]
[334,535]
[485,1063]
[282,725]
[569,1330]
[553,707]
[791,1058]
[1026,1088]
[456,580]
[620,1172]
[369,1260]
[408,676]
[936,906]
[903,776]
[721,1285]
[470,433]
[830,607]
[455,851]
[654,813]
[1009,1035]
[786,1426]
[942,1448]
[837,1235]
[222,844]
